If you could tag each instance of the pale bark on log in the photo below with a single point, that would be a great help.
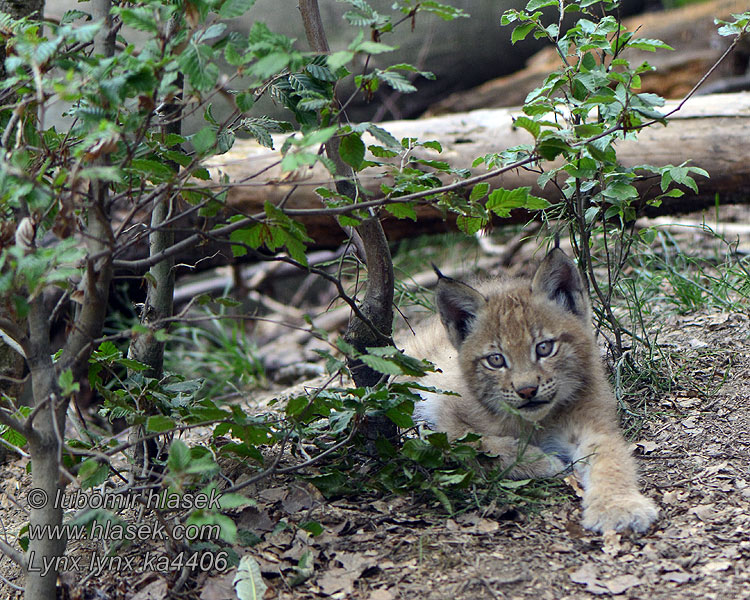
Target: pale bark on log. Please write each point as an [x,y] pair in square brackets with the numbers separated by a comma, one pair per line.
[690,30]
[710,132]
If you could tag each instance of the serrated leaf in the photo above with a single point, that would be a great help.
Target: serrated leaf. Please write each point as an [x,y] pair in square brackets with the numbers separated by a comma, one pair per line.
[402,210]
[140,18]
[196,61]
[231,9]
[381,365]
[383,136]
[321,72]
[533,127]
[397,81]
[270,65]
[92,473]
[470,225]
[479,191]
[502,201]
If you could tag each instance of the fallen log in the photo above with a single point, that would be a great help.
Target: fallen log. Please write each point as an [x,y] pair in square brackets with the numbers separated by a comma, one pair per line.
[690,30]
[709,132]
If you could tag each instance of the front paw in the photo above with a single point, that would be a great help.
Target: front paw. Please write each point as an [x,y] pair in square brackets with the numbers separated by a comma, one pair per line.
[526,462]
[632,511]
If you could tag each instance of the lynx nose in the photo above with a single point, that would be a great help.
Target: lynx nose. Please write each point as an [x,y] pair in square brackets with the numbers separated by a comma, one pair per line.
[527,393]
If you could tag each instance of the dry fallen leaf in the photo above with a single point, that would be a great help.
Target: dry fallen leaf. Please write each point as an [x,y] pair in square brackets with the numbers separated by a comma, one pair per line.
[587,575]
[220,587]
[487,526]
[715,566]
[156,590]
[617,585]
[337,580]
[381,594]
[647,446]
[705,512]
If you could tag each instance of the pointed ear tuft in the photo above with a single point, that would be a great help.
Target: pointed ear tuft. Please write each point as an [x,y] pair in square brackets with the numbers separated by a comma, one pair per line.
[558,279]
[458,305]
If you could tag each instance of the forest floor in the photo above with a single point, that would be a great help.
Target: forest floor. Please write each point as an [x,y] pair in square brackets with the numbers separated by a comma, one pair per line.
[692,440]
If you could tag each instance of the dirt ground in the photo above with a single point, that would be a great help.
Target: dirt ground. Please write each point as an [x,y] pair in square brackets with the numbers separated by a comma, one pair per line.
[694,457]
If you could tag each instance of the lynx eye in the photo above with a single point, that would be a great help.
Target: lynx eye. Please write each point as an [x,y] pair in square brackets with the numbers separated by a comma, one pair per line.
[545,348]
[495,361]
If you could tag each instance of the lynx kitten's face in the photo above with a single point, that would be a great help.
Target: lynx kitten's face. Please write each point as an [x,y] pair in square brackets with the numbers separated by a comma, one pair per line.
[522,345]
[521,354]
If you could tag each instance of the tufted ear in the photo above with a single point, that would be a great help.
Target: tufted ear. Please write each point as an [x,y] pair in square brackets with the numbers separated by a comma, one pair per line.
[558,279]
[458,305]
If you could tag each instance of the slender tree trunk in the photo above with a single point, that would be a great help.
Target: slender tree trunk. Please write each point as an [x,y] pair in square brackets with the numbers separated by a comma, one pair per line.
[159,304]
[377,305]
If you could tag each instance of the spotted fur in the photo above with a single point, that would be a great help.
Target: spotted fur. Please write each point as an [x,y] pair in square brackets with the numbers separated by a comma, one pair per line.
[522,357]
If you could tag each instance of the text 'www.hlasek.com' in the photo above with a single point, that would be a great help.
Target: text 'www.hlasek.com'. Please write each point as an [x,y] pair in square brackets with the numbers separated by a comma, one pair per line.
[95,517]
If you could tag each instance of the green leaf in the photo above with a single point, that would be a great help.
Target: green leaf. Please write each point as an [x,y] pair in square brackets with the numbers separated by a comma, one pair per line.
[352,150]
[402,210]
[422,453]
[373,47]
[270,65]
[620,191]
[521,31]
[502,201]
[534,5]
[245,101]
[551,147]
[196,61]
[339,59]
[532,127]
[204,139]
[179,456]
[400,418]
[470,225]
[140,18]
[296,405]
[383,136]
[66,383]
[479,191]
[227,501]
[93,473]
[312,527]
[159,423]
[395,80]
[231,9]
[381,365]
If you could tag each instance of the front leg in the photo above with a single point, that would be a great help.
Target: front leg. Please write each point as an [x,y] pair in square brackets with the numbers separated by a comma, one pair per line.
[611,498]
[523,461]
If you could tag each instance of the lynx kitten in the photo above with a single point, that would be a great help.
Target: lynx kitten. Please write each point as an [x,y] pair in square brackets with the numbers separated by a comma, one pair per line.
[523,359]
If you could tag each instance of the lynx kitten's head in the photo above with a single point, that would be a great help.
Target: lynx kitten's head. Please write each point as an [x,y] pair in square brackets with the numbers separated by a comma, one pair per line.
[524,346]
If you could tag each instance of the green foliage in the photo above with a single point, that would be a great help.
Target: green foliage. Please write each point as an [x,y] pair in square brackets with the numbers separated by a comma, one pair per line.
[116,113]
